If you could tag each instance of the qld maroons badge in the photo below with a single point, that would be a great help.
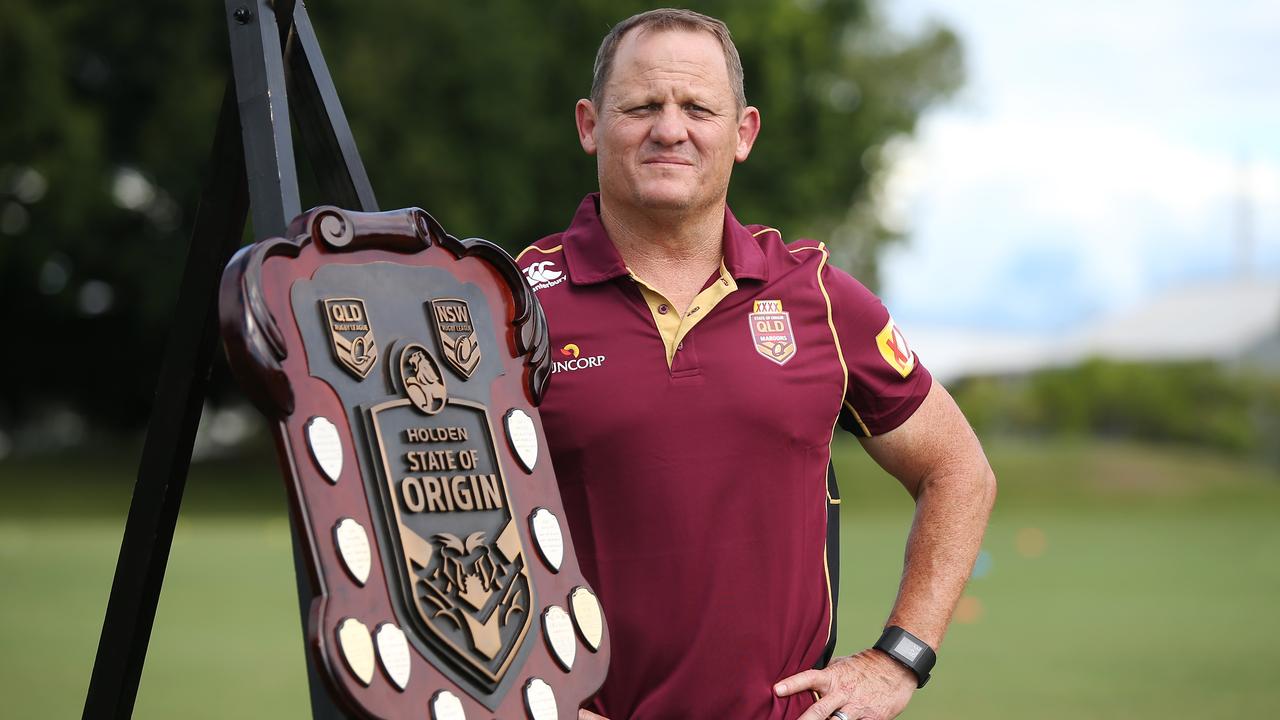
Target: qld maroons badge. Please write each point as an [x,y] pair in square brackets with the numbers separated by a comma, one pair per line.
[771,331]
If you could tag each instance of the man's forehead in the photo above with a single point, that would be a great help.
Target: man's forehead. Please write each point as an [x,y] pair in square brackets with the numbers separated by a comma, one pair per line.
[646,58]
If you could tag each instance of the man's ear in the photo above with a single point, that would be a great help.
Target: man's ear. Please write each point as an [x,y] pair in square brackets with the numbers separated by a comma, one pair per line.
[585,115]
[748,130]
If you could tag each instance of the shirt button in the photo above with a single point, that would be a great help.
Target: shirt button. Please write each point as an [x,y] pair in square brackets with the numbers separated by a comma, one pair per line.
[662,309]
[693,311]
[680,346]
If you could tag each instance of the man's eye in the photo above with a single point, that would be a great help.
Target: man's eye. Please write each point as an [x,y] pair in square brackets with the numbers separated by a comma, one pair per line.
[641,109]
[697,109]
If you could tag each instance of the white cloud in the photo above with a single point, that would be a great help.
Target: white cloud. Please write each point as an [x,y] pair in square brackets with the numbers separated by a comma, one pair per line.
[1100,153]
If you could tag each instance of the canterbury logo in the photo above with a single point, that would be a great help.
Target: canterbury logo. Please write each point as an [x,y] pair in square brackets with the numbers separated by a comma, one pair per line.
[542,272]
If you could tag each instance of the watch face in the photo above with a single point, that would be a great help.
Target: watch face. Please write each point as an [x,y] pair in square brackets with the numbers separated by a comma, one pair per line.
[907,648]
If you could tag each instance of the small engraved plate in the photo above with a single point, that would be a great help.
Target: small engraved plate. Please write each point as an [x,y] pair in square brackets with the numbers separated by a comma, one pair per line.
[540,700]
[393,651]
[548,537]
[353,547]
[446,706]
[326,446]
[357,649]
[523,438]
[587,616]
[558,629]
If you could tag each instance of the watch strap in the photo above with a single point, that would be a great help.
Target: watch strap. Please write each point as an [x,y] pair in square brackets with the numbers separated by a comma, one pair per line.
[909,651]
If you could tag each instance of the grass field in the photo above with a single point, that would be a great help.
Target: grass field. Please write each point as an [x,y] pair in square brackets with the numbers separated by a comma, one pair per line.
[1117,581]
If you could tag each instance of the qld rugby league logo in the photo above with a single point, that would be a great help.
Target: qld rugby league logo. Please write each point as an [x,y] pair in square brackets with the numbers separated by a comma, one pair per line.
[351,335]
[452,320]
[771,331]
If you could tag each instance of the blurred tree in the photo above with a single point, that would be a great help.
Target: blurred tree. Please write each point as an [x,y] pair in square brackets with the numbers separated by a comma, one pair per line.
[1234,410]
[463,108]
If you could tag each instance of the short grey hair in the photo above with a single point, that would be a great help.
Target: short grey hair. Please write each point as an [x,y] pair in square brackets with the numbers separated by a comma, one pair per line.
[665,19]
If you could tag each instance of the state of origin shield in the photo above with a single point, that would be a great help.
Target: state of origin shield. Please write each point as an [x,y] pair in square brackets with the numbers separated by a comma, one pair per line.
[401,368]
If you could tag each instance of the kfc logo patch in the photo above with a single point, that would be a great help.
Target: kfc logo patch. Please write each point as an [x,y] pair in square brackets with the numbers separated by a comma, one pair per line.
[894,349]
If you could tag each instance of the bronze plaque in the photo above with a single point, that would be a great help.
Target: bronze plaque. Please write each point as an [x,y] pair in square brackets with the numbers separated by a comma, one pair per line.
[401,368]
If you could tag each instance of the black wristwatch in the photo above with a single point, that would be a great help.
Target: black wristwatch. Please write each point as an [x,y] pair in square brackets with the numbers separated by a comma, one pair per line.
[908,650]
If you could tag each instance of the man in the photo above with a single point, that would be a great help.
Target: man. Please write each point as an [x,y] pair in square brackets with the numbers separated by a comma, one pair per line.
[702,367]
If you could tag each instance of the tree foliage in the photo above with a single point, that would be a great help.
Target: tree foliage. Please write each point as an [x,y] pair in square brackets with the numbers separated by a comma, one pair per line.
[465,109]
[1204,404]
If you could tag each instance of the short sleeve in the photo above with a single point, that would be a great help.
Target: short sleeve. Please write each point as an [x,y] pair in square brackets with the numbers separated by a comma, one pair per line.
[886,382]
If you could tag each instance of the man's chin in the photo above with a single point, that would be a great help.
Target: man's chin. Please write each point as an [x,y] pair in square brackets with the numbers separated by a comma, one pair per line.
[665,199]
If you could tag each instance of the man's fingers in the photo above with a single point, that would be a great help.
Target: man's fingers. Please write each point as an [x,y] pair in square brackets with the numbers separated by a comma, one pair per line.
[807,680]
[822,709]
[584,714]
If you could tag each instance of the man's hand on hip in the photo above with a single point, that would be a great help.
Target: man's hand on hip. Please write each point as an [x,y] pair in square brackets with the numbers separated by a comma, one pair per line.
[866,686]
[584,714]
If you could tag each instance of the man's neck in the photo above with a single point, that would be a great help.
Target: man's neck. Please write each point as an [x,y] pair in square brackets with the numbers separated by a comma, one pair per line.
[674,253]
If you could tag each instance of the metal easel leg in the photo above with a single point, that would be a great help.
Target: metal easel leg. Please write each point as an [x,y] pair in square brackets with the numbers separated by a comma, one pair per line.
[166,454]
[252,157]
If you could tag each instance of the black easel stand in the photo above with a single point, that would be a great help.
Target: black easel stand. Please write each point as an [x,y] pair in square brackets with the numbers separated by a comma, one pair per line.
[274,55]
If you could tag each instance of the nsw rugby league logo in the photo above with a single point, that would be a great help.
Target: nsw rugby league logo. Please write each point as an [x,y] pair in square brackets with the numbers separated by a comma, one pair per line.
[458,345]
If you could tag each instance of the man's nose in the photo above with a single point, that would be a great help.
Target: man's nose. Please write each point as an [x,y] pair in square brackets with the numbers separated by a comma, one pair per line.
[669,127]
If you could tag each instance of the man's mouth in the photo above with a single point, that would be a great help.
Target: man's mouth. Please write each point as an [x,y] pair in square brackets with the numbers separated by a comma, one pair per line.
[668,161]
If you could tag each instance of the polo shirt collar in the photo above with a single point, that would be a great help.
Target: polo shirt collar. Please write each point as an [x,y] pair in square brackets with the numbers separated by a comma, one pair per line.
[592,258]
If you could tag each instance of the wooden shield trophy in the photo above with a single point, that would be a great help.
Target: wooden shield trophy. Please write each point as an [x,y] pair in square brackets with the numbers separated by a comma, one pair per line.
[400,368]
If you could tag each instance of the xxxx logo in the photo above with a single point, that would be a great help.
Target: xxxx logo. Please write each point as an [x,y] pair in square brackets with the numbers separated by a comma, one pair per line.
[542,275]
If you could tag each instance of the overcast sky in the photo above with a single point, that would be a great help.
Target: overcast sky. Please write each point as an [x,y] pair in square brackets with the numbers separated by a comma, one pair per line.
[1098,155]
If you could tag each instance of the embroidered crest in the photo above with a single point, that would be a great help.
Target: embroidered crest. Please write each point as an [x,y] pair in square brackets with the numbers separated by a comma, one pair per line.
[771,331]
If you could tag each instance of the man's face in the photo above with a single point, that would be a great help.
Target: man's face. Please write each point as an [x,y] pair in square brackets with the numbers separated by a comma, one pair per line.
[668,130]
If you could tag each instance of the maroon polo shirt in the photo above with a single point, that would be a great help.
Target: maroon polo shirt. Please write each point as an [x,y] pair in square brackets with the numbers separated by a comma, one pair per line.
[692,454]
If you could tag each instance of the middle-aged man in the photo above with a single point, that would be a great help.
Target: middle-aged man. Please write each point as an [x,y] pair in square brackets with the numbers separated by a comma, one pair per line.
[702,368]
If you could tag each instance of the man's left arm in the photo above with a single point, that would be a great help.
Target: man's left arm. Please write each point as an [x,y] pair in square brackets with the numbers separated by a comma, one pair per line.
[938,459]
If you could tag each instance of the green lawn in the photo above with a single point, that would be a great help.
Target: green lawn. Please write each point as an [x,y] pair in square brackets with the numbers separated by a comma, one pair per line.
[1119,582]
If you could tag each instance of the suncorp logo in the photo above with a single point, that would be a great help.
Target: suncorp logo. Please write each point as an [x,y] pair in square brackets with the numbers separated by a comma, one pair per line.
[576,361]
[542,275]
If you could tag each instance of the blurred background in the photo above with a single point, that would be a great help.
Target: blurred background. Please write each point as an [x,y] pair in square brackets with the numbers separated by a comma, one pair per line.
[1073,210]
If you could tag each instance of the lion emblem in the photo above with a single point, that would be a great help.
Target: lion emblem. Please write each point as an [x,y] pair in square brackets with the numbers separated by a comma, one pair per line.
[423,383]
